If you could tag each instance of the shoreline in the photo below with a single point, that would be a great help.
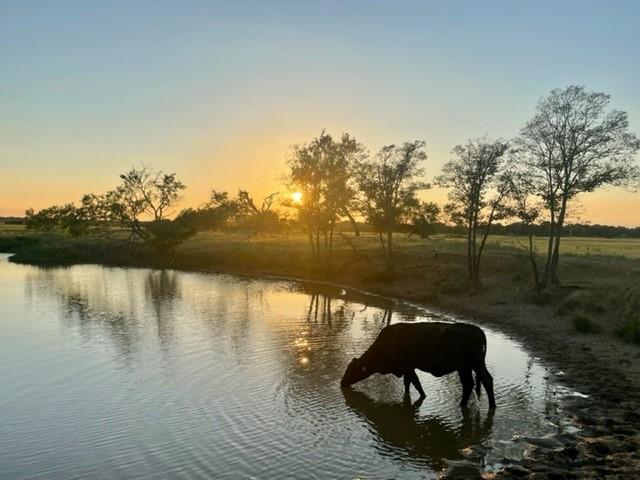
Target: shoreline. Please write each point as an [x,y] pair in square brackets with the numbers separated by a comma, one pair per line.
[606,441]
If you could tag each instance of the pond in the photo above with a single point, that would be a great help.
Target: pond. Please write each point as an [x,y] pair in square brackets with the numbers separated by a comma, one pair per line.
[137,373]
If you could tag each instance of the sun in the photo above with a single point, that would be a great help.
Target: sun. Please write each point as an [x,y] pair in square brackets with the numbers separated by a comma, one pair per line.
[296,197]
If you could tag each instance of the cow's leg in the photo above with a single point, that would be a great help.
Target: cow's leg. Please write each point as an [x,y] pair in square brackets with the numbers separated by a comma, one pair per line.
[487,383]
[407,383]
[413,378]
[466,378]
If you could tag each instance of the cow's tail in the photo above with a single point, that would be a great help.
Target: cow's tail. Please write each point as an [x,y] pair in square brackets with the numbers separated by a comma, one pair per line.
[481,367]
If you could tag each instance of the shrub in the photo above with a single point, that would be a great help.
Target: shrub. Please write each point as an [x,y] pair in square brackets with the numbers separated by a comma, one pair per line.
[584,324]
[630,332]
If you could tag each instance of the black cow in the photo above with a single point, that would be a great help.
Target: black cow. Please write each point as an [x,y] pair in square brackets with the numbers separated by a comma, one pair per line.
[439,348]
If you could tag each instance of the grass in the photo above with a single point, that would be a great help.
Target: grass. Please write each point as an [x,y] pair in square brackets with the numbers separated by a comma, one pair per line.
[579,246]
[11,228]
[585,324]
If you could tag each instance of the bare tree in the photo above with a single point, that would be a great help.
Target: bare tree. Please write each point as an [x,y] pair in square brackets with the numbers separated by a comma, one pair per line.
[156,192]
[524,207]
[143,192]
[247,205]
[477,193]
[573,145]
[388,185]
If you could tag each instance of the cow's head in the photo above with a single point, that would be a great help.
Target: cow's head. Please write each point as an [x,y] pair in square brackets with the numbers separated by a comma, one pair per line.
[356,371]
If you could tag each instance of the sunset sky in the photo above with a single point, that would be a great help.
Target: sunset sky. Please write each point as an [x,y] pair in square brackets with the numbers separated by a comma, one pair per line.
[219,91]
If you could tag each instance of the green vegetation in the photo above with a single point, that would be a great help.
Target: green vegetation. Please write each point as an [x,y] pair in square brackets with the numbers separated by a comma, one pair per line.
[584,324]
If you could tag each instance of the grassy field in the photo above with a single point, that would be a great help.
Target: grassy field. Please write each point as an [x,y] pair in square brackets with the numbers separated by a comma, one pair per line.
[625,247]
[368,243]
[589,246]
[11,228]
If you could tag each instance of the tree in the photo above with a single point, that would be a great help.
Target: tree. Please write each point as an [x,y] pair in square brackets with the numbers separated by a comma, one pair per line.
[388,186]
[155,192]
[143,192]
[477,193]
[424,219]
[322,171]
[574,145]
[524,207]
[213,215]
[254,218]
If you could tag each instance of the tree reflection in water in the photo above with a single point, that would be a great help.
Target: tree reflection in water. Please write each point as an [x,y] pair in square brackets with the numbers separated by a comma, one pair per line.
[162,290]
[400,431]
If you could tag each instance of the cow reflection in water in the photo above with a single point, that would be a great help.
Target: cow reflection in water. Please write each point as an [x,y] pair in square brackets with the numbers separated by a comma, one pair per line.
[427,440]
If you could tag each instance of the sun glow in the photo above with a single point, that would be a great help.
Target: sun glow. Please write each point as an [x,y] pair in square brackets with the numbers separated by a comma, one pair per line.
[296,197]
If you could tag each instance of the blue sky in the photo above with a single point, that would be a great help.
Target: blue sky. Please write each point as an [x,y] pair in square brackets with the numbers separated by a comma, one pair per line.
[218,91]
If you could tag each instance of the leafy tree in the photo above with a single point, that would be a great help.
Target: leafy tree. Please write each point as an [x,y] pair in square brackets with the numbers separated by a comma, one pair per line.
[142,193]
[52,218]
[213,215]
[574,145]
[424,219]
[167,234]
[322,171]
[257,219]
[388,185]
[477,193]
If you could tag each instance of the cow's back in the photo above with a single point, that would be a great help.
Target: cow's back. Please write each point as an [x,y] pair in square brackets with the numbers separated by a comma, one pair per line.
[435,347]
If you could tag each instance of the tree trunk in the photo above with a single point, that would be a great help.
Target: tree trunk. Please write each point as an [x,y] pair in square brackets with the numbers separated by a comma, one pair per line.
[469,257]
[317,244]
[313,250]
[534,265]
[547,265]
[556,249]
[479,254]
[390,248]
[330,255]
[353,222]
[384,248]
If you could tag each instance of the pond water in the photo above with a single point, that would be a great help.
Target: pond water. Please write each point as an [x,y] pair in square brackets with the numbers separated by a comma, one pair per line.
[137,373]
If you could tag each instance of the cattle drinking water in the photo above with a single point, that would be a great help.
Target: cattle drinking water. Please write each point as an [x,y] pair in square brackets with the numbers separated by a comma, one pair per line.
[438,348]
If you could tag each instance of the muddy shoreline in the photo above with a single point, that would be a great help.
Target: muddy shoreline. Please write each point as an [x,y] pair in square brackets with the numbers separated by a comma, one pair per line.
[603,438]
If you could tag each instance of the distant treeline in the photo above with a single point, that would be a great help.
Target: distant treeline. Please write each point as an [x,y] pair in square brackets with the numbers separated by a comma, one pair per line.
[542,229]
[12,220]
[516,228]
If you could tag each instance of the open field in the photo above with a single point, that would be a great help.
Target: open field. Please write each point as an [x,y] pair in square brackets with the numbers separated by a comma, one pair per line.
[11,228]
[368,243]
[589,246]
